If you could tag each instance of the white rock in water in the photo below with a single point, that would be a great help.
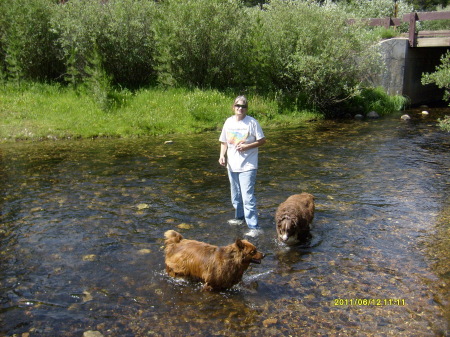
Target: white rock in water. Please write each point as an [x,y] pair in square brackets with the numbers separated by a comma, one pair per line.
[405,117]
[425,112]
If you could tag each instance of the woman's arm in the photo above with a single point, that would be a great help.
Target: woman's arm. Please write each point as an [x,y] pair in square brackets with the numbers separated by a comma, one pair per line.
[223,153]
[244,147]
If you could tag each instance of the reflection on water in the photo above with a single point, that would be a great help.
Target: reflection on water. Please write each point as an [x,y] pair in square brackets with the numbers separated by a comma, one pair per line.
[82,224]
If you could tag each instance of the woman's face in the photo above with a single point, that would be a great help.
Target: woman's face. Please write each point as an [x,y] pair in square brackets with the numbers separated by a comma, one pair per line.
[240,109]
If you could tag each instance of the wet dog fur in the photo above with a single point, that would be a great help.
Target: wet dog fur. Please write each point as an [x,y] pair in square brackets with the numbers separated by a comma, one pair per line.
[293,218]
[217,267]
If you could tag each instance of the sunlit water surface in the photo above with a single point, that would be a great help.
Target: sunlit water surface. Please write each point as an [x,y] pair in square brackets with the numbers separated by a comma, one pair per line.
[82,224]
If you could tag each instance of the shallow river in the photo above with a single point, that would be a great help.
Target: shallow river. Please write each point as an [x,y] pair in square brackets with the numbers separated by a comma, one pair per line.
[82,224]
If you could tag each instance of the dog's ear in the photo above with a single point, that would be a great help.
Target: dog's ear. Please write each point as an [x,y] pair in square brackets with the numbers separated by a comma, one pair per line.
[239,244]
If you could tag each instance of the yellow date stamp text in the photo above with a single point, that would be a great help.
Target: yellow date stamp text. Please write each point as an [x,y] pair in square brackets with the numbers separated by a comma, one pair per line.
[380,302]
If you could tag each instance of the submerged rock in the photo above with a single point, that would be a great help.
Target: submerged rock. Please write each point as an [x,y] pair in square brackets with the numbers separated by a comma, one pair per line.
[270,321]
[91,333]
[373,115]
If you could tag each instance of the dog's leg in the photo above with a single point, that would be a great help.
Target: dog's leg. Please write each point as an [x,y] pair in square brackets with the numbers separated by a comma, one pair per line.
[207,287]
[170,272]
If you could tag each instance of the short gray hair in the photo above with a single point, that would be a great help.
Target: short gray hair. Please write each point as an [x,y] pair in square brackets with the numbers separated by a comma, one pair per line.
[241,98]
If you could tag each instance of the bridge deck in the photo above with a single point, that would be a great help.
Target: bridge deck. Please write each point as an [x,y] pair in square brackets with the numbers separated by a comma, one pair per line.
[438,38]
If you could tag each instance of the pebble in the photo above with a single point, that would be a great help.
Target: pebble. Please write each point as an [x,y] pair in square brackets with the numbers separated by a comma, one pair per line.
[91,333]
[89,257]
[87,296]
[144,251]
[405,117]
[142,206]
[270,321]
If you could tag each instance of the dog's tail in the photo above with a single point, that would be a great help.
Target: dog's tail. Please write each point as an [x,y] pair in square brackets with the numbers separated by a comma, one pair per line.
[172,237]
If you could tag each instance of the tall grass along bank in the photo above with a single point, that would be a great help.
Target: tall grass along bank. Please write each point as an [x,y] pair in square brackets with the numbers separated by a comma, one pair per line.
[41,111]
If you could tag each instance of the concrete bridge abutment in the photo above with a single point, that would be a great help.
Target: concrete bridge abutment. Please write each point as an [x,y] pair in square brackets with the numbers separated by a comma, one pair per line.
[404,67]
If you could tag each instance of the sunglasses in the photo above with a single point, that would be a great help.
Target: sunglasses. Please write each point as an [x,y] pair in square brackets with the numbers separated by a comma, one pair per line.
[240,106]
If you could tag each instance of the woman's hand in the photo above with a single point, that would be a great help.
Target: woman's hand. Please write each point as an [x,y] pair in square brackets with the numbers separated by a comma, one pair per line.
[223,153]
[241,147]
[222,160]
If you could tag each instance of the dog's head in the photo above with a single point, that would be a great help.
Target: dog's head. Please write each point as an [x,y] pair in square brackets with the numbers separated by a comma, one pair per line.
[287,228]
[249,252]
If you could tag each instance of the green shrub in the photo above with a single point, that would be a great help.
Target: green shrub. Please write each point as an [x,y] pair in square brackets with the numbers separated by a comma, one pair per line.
[201,43]
[78,25]
[376,8]
[27,42]
[376,99]
[444,123]
[121,30]
[315,58]
[441,77]
[386,33]
[301,54]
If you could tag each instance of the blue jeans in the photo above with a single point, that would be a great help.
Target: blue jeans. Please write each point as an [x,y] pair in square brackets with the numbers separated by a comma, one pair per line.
[243,197]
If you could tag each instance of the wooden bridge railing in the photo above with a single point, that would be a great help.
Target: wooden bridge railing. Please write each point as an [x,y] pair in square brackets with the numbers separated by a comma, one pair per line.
[412,18]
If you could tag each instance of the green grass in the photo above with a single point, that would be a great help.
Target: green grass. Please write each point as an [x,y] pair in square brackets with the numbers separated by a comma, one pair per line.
[42,111]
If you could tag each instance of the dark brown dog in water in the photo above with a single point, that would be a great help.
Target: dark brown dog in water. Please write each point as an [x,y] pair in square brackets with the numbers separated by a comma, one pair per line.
[218,267]
[293,218]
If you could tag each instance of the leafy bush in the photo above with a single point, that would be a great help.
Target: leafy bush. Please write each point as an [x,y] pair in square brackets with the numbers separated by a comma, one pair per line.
[26,41]
[376,8]
[302,53]
[200,43]
[376,99]
[314,57]
[386,33]
[122,31]
[441,77]
[444,123]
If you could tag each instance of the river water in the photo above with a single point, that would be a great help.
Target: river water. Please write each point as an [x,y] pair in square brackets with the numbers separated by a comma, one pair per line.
[82,225]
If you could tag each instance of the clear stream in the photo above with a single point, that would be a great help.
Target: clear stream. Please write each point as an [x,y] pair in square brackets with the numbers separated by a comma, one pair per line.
[82,223]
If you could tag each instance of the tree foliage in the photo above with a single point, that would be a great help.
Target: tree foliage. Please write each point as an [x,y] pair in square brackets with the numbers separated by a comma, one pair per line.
[200,43]
[27,41]
[301,52]
[122,30]
[441,77]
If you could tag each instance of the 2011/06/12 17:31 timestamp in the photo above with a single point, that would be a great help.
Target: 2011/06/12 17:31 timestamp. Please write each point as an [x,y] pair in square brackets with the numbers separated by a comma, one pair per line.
[368,301]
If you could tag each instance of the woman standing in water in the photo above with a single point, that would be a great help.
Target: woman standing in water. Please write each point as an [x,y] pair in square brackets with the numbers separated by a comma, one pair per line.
[240,139]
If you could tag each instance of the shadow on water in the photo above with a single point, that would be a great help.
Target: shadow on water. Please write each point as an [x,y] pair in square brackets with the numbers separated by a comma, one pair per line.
[82,224]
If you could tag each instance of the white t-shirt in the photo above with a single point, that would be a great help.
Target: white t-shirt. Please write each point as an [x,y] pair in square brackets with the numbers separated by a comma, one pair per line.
[245,131]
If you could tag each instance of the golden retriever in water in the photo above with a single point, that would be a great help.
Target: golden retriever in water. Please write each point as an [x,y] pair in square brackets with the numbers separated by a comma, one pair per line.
[293,218]
[218,267]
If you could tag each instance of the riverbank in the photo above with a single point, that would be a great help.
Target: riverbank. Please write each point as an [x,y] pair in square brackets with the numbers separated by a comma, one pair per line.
[36,111]
[53,112]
